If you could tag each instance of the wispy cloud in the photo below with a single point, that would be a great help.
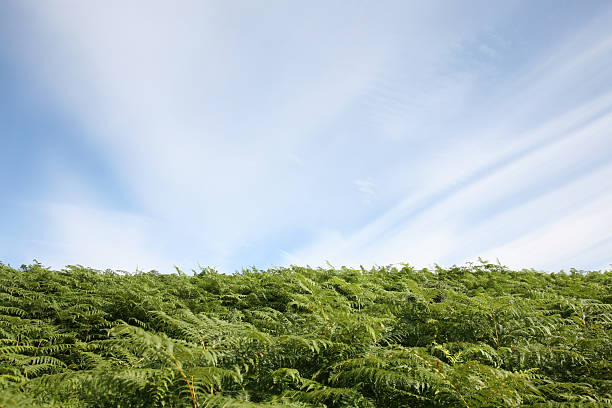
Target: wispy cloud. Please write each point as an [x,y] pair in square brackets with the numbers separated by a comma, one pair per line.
[488,50]
[366,186]
[525,201]
[247,134]
[100,237]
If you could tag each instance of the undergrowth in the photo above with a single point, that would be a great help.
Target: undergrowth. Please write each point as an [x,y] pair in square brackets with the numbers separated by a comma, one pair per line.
[472,336]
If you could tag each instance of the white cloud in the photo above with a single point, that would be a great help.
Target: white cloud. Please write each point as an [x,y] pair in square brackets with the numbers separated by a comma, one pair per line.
[504,188]
[489,51]
[98,237]
[563,242]
[230,125]
[366,186]
[195,118]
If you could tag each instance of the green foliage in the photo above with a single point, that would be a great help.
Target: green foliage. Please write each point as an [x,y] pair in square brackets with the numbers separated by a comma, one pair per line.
[474,336]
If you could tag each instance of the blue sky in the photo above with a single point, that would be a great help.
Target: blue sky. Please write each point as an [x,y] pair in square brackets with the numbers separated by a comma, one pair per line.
[147,134]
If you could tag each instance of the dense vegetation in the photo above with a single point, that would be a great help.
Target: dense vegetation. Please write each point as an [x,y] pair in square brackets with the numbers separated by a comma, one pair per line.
[474,336]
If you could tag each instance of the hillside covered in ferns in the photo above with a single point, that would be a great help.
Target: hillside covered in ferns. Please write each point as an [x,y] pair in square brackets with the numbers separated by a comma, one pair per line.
[473,336]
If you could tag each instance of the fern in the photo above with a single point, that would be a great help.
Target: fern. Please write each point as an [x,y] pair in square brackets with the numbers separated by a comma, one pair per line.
[473,336]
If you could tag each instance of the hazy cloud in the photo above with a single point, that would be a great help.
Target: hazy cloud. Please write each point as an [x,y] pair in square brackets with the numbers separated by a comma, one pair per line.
[236,134]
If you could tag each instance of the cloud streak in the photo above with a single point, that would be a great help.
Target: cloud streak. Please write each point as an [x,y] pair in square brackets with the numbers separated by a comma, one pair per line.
[298,134]
[523,201]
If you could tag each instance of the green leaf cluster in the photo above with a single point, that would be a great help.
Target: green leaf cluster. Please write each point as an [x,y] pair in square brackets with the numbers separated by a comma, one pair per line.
[471,336]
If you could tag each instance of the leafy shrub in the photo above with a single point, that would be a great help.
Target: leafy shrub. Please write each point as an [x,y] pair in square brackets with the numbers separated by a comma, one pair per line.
[473,336]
